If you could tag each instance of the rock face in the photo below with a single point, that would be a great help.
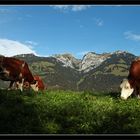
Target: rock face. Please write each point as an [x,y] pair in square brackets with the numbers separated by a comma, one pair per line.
[92,60]
[68,61]
[108,75]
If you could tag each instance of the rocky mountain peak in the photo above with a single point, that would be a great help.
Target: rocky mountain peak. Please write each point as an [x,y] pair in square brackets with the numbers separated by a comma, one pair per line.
[65,55]
[68,60]
[92,60]
[120,52]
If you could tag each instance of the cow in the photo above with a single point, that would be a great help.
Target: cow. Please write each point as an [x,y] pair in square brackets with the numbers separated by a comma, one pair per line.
[132,83]
[40,83]
[16,71]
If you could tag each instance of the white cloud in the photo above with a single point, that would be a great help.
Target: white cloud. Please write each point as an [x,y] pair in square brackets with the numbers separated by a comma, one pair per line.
[60,6]
[4,11]
[73,8]
[98,21]
[11,48]
[31,42]
[7,11]
[132,36]
[79,7]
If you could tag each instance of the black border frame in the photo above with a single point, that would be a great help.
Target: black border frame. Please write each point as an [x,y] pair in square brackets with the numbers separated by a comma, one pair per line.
[66,2]
[85,2]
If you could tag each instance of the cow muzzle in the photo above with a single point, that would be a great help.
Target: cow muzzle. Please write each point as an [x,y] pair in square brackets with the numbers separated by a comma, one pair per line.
[123,98]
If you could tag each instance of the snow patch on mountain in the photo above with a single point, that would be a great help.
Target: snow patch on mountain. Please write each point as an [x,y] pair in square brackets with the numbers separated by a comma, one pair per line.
[68,60]
[92,60]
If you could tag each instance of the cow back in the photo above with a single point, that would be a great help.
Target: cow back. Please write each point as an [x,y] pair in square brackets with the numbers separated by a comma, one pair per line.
[18,69]
[12,65]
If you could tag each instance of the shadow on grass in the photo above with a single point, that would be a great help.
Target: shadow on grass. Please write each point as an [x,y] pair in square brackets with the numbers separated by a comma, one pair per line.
[26,113]
[117,124]
[114,95]
[18,116]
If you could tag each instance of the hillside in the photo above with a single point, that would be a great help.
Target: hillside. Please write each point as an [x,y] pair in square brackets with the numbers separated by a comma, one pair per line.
[108,75]
[52,71]
[94,72]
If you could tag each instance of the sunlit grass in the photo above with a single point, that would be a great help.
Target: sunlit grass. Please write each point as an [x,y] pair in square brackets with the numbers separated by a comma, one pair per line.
[68,112]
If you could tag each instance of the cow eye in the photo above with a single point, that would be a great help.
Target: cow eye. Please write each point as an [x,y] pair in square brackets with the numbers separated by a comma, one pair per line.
[127,87]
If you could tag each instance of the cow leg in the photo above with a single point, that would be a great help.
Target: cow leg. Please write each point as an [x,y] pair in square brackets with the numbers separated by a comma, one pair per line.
[20,84]
[15,86]
[11,85]
[138,96]
[137,92]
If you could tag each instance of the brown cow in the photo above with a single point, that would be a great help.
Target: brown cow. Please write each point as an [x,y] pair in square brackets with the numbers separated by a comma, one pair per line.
[16,71]
[40,83]
[132,83]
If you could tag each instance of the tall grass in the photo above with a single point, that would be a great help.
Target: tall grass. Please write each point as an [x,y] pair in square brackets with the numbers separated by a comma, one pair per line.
[67,112]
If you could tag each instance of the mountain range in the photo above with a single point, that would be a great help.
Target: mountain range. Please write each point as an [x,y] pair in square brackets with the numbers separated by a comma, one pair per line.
[94,72]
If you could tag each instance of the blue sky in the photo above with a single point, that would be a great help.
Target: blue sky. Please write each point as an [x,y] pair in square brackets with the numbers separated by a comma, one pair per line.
[56,29]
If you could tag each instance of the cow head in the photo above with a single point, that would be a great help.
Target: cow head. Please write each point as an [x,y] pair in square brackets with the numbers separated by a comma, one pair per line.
[34,85]
[26,85]
[126,89]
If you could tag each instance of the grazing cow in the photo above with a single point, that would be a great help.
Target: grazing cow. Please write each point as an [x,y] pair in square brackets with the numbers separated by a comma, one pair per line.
[16,71]
[132,83]
[40,83]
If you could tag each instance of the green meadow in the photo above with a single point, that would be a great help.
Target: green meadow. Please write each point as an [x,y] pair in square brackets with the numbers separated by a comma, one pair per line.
[67,112]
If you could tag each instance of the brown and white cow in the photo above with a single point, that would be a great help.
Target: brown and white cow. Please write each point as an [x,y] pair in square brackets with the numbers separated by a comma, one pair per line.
[40,83]
[16,71]
[132,83]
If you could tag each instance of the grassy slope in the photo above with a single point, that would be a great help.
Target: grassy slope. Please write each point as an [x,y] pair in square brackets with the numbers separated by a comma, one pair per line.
[57,112]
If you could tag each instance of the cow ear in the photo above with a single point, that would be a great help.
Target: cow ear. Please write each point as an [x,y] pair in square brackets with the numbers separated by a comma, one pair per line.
[35,81]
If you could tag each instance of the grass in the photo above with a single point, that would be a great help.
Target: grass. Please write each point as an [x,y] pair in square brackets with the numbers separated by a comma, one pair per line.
[67,112]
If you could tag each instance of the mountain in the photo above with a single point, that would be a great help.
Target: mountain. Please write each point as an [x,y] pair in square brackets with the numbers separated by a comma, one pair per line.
[92,60]
[108,75]
[94,72]
[68,61]
[53,71]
